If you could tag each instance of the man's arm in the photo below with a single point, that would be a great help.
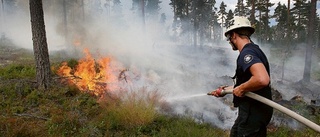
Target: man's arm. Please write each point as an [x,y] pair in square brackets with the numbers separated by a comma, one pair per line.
[259,80]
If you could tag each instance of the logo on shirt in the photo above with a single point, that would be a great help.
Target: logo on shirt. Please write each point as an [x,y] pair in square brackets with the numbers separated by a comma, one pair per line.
[248,58]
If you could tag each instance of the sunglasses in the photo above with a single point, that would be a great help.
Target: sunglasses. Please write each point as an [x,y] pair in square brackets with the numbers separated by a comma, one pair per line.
[228,37]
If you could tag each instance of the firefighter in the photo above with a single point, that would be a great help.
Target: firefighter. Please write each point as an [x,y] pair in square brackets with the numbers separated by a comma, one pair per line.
[252,75]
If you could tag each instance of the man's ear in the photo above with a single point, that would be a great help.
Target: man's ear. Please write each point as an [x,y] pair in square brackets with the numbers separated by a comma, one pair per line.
[232,34]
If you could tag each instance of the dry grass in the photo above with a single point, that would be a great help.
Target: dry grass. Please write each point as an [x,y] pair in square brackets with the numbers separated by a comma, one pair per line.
[132,109]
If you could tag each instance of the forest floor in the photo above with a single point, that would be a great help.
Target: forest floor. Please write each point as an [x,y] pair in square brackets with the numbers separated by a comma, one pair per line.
[15,55]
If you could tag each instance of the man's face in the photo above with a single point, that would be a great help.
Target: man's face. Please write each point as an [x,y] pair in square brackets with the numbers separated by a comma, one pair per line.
[230,39]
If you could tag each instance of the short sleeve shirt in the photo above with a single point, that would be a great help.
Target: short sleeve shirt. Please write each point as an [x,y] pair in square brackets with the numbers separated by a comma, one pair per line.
[250,55]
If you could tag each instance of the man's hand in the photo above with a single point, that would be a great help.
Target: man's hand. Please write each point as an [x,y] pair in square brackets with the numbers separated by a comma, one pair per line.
[219,91]
[238,92]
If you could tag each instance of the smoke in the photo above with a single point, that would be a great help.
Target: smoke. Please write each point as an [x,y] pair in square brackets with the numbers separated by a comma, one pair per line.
[175,70]
[153,58]
[15,24]
[287,70]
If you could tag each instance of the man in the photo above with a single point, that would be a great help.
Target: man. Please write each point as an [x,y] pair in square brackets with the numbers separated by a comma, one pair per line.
[252,75]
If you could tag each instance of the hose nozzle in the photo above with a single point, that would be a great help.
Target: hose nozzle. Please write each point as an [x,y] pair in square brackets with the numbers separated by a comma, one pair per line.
[220,92]
[209,93]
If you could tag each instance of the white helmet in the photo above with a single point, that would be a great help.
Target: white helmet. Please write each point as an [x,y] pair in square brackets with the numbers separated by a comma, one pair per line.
[239,22]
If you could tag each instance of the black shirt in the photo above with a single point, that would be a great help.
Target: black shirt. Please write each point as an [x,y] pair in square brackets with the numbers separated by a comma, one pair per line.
[250,54]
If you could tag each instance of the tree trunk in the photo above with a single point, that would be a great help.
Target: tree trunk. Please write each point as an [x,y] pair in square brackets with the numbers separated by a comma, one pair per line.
[195,30]
[267,34]
[260,22]
[253,11]
[143,16]
[288,8]
[307,66]
[65,22]
[242,9]
[2,27]
[40,47]
[83,12]
[288,42]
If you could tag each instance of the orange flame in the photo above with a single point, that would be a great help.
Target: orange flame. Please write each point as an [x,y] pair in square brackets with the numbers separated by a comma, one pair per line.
[90,75]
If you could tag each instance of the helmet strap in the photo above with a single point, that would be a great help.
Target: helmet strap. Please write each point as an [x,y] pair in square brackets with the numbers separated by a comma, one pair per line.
[247,37]
[251,40]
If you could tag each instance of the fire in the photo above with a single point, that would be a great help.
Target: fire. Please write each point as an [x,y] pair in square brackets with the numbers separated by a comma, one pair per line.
[91,75]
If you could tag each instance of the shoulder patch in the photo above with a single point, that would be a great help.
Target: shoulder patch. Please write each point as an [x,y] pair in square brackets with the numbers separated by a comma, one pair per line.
[248,58]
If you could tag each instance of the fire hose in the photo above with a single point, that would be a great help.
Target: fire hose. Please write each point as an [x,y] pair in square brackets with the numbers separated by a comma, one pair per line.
[277,106]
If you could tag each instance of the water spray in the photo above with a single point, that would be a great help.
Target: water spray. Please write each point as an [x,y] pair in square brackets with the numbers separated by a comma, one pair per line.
[185,97]
[221,92]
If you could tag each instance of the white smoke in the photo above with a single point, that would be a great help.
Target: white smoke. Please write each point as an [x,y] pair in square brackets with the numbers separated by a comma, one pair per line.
[152,58]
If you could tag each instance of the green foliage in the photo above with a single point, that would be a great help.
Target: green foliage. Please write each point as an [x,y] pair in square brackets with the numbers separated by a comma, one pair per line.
[17,71]
[184,126]
[70,115]
[33,98]
[22,127]
[72,63]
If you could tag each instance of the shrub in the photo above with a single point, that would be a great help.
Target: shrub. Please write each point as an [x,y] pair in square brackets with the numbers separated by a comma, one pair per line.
[134,109]
[15,71]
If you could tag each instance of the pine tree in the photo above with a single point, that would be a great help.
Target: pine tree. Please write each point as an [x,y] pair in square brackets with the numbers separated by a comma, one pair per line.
[152,8]
[311,27]
[300,12]
[280,15]
[252,11]
[182,19]
[40,46]
[240,9]
[262,29]
[222,13]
